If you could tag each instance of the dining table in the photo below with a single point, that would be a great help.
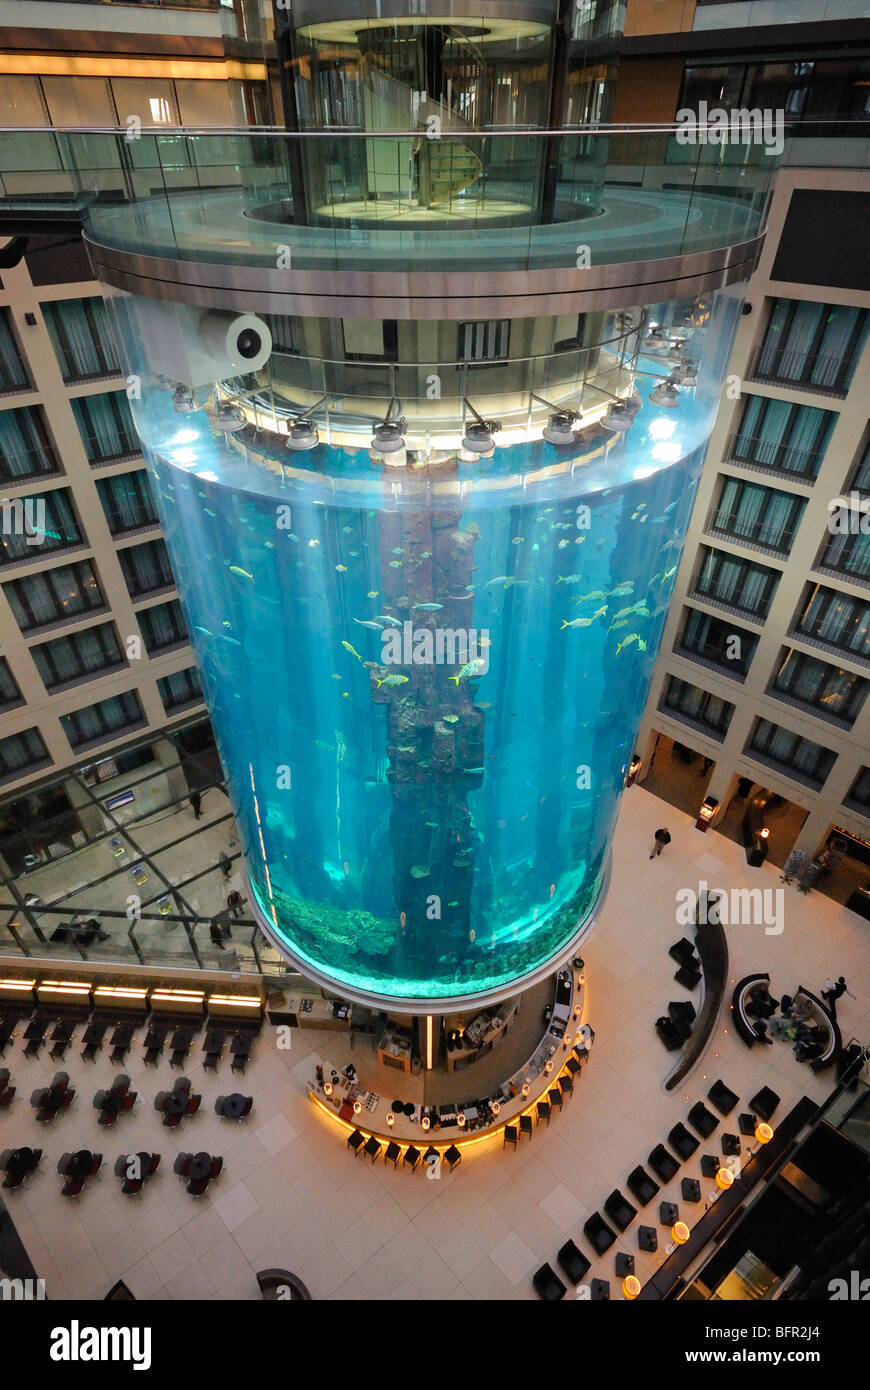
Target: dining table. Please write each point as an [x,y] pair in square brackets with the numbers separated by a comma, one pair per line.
[175,1104]
[234,1106]
[200,1167]
[80,1164]
[20,1162]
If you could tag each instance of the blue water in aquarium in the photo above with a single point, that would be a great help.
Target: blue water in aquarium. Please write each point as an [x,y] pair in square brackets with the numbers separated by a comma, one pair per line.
[424,830]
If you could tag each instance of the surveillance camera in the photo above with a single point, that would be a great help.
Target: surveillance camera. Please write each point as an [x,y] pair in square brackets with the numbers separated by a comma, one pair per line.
[237,342]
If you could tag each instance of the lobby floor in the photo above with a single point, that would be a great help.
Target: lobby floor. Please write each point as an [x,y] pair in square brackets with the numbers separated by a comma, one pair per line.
[292,1196]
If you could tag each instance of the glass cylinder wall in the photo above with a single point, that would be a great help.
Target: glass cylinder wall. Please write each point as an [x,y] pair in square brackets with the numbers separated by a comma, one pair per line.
[425,662]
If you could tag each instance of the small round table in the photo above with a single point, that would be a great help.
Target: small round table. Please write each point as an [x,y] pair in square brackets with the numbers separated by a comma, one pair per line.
[234,1106]
[20,1162]
[80,1164]
[111,1103]
[200,1167]
[175,1105]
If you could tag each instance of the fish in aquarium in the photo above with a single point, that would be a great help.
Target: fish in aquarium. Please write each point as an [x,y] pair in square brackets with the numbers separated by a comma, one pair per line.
[353,651]
[469,669]
[392,680]
[627,641]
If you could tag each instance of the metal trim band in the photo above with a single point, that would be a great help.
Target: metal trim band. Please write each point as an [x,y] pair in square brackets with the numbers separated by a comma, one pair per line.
[454,1003]
[426,295]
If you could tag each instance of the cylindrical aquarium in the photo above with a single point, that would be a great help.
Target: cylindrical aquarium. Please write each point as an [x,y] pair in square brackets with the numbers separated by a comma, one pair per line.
[426,616]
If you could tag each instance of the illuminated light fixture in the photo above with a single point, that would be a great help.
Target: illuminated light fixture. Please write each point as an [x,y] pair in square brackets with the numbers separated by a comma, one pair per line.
[630,1286]
[478,437]
[559,430]
[525,1088]
[230,418]
[17,984]
[635,766]
[665,395]
[495,1107]
[708,809]
[460,1119]
[724,1178]
[425,1122]
[302,435]
[184,401]
[63,987]
[680,1232]
[387,439]
[661,429]
[548,1067]
[763,1132]
[110,992]
[357,1107]
[246,1001]
[327,1090]
[618,417]
[763,833]
[391,1119]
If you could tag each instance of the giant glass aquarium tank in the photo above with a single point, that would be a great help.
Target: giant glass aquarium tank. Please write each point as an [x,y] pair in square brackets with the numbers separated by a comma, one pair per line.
[426,600]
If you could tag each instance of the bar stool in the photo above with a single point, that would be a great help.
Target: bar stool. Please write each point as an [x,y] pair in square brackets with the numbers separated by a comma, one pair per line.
[526,1125]
[356,1141]
[452,1156]
[566,1086]
[510,1136]
[554,1096]
[543,1112]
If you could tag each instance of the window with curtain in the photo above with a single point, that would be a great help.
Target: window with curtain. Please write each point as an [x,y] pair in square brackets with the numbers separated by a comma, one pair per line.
[146,568]
[78,656]
[82,338]
[103,719]
[61,527]
[106,426]
[848,552]
[180,689]
[9,692]
[783,437]
[696,706]
[13,370]
[127,501]
[54,596]
[808,761]
[26,450]
[22,753]
[739,583]
[826,690]
[860,479]
[762,515]
[835,618]
[712,640]
[859,793]
[812,345]
[162,626]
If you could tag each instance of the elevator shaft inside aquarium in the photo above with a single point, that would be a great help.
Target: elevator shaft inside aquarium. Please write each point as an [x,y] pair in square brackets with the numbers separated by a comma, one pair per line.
[425,679]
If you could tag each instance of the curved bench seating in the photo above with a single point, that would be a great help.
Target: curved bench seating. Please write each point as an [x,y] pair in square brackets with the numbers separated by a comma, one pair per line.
[742,1022]
[711,944]
[273,1281]
[835,1042]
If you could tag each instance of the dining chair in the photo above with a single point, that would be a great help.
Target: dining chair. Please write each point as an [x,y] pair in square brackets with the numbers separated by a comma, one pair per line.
[131,1185]
[96,1165]
[63,1163]
[197,1186]
[193,1105]
[217,1164]
[72,1187]
[181,1166]
[7,1097]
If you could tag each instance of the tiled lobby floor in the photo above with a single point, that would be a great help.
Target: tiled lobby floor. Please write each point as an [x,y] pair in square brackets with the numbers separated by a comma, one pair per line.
[292,1196]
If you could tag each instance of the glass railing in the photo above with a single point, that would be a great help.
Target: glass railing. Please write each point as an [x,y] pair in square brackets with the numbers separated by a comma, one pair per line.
[393,201]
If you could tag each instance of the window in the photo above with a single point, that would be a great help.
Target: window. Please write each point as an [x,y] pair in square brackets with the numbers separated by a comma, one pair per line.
[737,583]
[802,759]
[723,645]
[286,332]
[782,437]
[146,568]
[370,340]
[128,502]
[860,479]
[163,627]
[82,339]
[13,372]
[835,619]
[698,707]
[106,427]
[32,526]
[182,688]
[10,695]
[831,693]
[848,550]
[812,345]
[487,341]
[22,753]
[25,445]
[103,720]
[54,596]
[859,793]
[79,656]
[762,516]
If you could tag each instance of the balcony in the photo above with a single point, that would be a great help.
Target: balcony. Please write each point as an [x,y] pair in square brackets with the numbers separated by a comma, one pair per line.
[813,781]
[131,522]
[776,460]
[711,656]
[755,535]
[711,730]
[803,371]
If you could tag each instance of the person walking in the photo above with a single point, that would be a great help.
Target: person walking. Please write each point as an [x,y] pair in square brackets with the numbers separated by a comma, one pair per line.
[660,839]
[235,902]
[196,805]
[832,992]
[225,864]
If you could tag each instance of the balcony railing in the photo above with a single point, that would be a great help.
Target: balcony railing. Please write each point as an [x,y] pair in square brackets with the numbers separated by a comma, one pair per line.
[714,659]
[127,449]
[755,535]
[131,523]
[14,376]
[822,645]
[766,456]
[694,722]
[811,707]
[814,780]
[35,463]
[804,371]
[733,605]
